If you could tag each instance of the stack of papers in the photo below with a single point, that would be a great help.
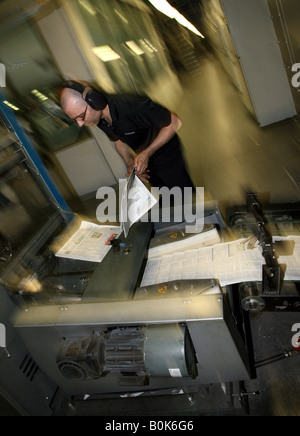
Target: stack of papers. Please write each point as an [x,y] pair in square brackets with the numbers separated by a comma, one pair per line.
[229,263]
[188,242]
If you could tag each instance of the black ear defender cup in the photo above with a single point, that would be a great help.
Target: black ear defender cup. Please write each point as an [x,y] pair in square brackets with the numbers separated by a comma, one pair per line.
[92,96]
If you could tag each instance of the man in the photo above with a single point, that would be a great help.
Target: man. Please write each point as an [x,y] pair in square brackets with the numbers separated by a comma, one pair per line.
[144,133]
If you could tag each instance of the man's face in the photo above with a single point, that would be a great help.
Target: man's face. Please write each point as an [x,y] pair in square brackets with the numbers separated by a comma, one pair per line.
[82,113]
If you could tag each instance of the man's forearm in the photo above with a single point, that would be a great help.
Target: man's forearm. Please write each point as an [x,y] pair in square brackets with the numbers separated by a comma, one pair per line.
[164,136]
[125,152]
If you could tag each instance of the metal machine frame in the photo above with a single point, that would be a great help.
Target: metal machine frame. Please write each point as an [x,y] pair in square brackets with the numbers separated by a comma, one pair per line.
[271,293]
[38,327]
[221,354]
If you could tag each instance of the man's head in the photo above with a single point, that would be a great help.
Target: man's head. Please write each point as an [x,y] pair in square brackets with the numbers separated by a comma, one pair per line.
[82,103]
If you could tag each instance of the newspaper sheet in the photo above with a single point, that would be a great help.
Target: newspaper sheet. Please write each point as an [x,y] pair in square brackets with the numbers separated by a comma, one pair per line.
[232,262]
[91,242]
[136,201]
[194,241]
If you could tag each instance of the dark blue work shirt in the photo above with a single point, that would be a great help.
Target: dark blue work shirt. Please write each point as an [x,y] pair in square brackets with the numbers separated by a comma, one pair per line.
[136,121]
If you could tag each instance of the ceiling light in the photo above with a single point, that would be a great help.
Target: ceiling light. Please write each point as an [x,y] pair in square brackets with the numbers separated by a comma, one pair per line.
[39,95]
[12,106]
[164,7]
[135,48]
[121,16]
[87,6]
[105,53]
[147,45]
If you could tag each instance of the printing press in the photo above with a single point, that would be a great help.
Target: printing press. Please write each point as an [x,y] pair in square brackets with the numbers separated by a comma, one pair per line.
[78,329]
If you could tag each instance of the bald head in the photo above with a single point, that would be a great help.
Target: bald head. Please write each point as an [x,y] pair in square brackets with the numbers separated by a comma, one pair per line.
[70,98]
[78,109]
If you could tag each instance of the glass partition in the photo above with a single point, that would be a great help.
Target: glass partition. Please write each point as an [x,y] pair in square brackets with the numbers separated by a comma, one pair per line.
[125,39]
[24,208]
[31,83]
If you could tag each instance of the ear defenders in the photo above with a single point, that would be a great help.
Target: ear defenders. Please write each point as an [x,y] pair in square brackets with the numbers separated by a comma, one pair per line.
[94,98]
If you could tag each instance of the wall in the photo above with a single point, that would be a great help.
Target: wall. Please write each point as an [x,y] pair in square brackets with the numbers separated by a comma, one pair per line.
[285,15]
[252,48]
[217,30]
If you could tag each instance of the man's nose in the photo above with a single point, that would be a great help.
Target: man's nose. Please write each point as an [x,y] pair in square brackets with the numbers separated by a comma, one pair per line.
[80,123]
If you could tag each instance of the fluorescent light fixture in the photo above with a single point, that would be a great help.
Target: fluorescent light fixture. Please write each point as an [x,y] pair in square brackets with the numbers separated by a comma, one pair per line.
[147,45]
[87,6]
[135,48]
[105,53]
[12,106]
[121,16]
[39,95]
[165,7]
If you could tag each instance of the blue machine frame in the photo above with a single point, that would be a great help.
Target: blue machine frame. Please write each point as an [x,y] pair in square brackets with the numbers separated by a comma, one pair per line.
[37,163]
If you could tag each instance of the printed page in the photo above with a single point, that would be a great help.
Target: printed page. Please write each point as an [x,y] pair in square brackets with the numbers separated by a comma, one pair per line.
[292,262]
[203,239]
[136,201]
[229,263]
[91,242]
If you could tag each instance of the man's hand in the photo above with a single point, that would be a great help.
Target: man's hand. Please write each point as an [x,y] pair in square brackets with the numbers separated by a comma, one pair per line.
[164,136]
[130,168]
[143,177]
[142,162]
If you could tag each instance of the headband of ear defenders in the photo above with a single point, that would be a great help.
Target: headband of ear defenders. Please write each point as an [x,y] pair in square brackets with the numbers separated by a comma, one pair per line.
[94,98]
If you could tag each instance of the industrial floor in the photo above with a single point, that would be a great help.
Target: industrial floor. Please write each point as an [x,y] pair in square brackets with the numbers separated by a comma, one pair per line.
[228,153]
